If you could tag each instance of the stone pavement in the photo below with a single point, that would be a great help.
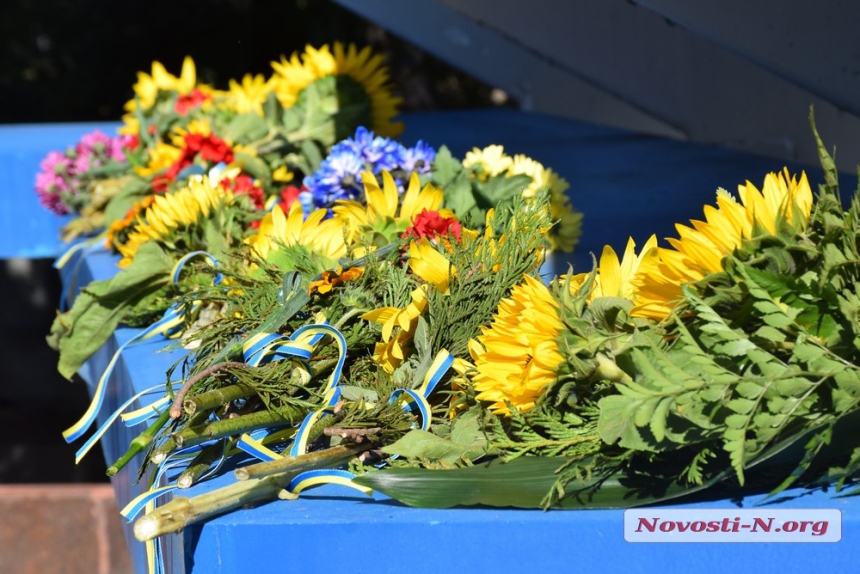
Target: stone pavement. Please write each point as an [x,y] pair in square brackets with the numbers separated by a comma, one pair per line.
[55,516]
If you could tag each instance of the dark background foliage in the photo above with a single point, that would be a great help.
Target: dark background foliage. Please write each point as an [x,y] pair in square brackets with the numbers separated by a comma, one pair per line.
[76,60]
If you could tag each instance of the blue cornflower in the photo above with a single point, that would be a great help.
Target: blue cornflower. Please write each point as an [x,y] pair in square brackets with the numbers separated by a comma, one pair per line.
[339,174]
[418,159]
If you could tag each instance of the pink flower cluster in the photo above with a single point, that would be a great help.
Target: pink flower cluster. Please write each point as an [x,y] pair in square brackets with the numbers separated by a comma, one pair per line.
[60,185]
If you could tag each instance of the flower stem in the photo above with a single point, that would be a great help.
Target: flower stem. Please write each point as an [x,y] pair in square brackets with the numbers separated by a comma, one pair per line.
[334,456]
[228,427]
[163,450]
[182,511]
[200,464]
[216,397]
[139,443]
[176,407]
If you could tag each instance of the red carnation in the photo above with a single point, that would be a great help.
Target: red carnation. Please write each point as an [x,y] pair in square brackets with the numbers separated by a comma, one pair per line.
[132,142]
[431,224]
[188,102]
[210,148]
[245,185]
[289,195]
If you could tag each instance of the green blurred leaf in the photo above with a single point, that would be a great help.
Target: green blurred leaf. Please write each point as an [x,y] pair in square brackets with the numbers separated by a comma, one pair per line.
[502,187]
[99,309]
[118,206]
[246,128]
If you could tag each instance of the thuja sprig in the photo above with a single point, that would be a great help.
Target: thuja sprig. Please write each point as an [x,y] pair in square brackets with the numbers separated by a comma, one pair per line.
[486,268]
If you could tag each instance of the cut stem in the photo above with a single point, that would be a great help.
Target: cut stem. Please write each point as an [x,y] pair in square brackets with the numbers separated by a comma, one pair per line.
[182,511]
[216,397]
[176,407]
[201,463]
[333,456]
[139,443]
[229,427]
[169,445]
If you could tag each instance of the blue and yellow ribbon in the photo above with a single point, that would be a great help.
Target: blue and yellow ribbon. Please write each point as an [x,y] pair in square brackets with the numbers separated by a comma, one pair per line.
[117,413]
[170,325]
[311,478]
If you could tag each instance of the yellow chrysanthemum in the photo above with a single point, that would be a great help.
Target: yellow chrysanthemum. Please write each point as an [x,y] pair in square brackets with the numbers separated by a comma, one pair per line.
[517,355]
[614,278]
[162,156]
[432,267]
[173,211]
[384,209]
[282,175]
[294,75]
[200,127]
[565,234]
[321,237]
[147,87]
[700,249]
[487,162]
[249,95]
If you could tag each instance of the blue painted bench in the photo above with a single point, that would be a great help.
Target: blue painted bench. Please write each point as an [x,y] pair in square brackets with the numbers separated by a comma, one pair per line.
[627,185]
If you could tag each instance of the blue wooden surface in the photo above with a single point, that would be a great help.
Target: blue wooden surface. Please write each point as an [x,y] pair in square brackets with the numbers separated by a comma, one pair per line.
[626,185]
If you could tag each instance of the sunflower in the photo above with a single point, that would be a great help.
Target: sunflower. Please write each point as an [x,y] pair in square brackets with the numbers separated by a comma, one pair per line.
[171,212]
[700,249]
[386,217]
[517,356]
[615,278]
[349,65]
[249,95]
[321,237]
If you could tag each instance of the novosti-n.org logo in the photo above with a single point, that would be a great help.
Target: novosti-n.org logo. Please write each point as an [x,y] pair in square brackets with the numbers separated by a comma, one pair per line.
[732,525]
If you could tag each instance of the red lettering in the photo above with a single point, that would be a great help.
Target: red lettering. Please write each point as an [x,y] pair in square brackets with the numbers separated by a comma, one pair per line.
[649,527]
[760,523]
[667,527]
[714,526]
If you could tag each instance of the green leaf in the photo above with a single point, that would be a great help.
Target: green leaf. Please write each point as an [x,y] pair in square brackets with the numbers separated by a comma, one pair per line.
[272,109]
[216,243]
[355,394]
[312,155]
[246,128]
[446,167]
[99,309]
[521,483]
[736,348]
[253,166]
[118,206]
[615,423]
[771,334]
[458,194]
[467,442]
[501,187]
